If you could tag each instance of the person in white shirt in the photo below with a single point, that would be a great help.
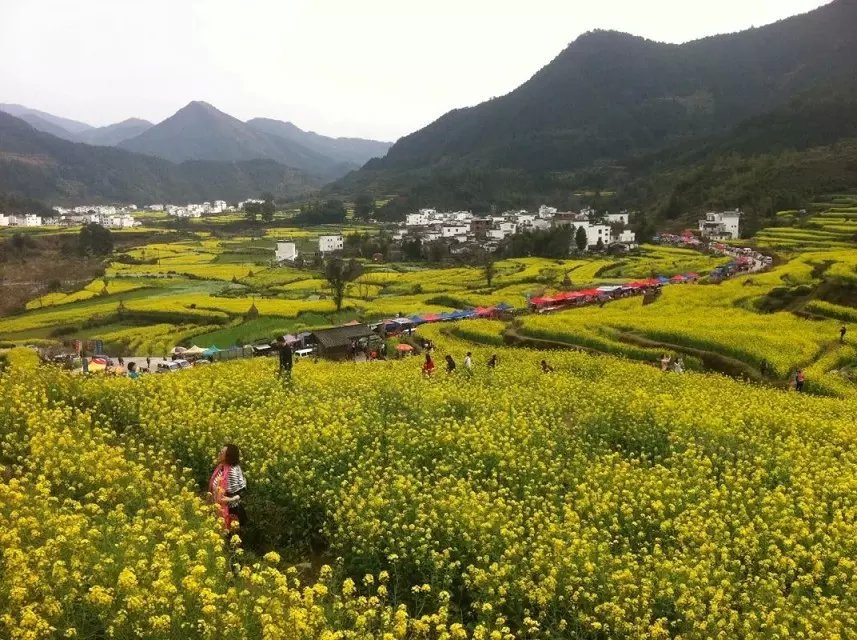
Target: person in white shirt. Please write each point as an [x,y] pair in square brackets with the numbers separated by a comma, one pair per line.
[468,362]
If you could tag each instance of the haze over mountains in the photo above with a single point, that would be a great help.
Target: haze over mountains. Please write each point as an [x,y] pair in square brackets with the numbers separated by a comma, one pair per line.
[197,152]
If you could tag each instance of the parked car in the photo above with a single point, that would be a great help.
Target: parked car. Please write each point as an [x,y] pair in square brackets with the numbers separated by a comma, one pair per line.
[166,367]
[306,352]
[183,364]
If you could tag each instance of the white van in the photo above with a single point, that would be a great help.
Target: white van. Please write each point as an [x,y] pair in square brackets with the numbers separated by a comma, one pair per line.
[304,353]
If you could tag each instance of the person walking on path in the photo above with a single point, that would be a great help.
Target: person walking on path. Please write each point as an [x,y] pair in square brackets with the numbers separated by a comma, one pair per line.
[84,363]
[428,366]
[468,363]
[800,378]
[148,363]
[226,485]
[842,332]
[450,364]
[286,357]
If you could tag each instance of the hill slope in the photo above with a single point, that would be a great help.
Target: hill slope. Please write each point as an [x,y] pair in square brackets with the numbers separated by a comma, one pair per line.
[112,134]
[53,123]
[609,95]
[353,150]
[201,132]
[39,165]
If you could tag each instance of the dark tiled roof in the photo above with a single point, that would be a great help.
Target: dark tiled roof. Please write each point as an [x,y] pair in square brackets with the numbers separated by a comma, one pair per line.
[340,336]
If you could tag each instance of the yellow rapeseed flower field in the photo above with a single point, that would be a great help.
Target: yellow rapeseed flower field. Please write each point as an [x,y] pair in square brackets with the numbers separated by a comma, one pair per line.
[603,500]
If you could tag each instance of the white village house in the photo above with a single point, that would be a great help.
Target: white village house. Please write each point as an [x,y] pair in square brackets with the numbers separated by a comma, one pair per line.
[5,221]
[326,244]
[286,252]
[721,225]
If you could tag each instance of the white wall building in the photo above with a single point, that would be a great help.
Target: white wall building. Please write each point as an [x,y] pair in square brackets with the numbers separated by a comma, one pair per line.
[417,219]
[721,225]
[622,217]
[546,211]
[286,251]
[32,220]
[453,230]
[5,221]
[120,222]
[330,243]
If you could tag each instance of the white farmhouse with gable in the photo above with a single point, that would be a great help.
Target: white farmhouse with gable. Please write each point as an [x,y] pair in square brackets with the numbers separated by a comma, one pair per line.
[286,252]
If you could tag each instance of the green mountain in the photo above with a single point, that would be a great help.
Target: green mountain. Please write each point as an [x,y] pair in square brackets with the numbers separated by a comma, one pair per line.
[346,150]
[34,164]
[112,134]
[201,132]
[613,109]
[47,122]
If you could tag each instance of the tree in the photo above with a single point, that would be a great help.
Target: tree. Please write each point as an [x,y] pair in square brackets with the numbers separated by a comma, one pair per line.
[412,249]
[252,210]
[95,240]
[267,208]
[364,206]
[338,274]
[580,239]
[489,267]
[599,245]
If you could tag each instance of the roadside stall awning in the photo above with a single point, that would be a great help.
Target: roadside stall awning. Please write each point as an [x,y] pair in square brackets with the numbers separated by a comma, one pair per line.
[194,351]
[431,317]
[415,320]
[404,348]
[663,279]
[678,278]
[503,307]
[483,311]
[609,288]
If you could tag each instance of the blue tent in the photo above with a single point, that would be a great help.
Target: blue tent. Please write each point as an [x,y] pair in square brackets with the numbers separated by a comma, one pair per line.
[211,351]
[447,315]
[468,313]
[503,307]
[663,279]
[416,320]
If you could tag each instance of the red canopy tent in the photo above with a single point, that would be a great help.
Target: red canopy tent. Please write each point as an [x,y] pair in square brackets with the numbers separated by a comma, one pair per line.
[484,311]
[678,278]
[431,317]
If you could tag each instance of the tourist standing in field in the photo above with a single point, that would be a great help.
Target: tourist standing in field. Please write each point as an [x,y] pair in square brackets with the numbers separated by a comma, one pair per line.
[286,357]
[800,378]
[132,371]
[665,362]
[226,485]
[842,332]
[492,361]
[678,365]
[450,364]
[468,362]
[546,368]
[428,366]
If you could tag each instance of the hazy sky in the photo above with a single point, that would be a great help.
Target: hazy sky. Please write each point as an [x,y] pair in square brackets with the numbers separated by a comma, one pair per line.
[370,68]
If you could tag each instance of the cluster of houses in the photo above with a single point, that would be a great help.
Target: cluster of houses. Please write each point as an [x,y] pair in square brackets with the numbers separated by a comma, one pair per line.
[287,251]
[194,210]
[105,215]
[462,227]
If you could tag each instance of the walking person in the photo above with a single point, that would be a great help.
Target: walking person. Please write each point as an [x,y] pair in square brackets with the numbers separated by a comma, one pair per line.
[468,363]
[286,357]
[84,364]
[428,366]
[450,364]
[492,361]
[842,332]
[148,363]
[226,485]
